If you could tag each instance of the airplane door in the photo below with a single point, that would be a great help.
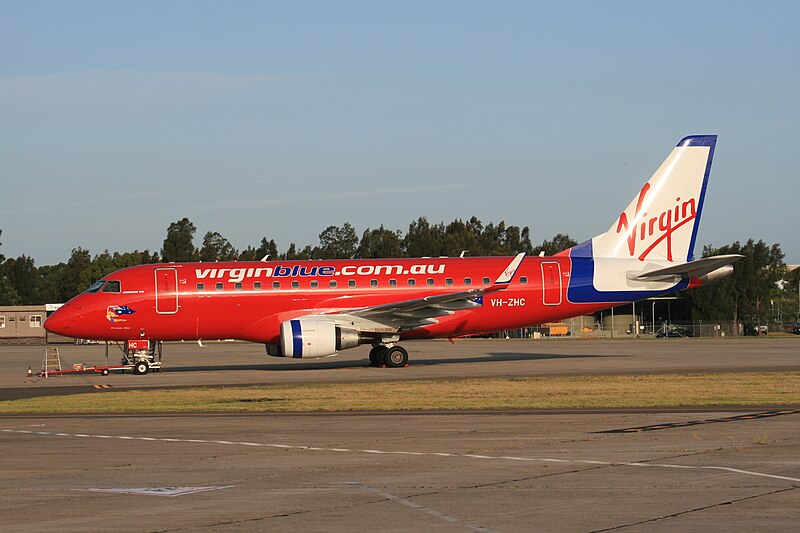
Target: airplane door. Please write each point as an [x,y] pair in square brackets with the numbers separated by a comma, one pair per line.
[166,291]
[551,283]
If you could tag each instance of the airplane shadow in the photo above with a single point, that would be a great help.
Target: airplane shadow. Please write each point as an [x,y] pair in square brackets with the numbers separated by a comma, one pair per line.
[494,357]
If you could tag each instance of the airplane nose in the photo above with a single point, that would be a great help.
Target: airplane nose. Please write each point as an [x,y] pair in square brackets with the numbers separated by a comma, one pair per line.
[60,321]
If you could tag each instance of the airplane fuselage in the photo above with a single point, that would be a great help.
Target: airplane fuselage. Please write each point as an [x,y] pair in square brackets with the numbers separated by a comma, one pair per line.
[250,300]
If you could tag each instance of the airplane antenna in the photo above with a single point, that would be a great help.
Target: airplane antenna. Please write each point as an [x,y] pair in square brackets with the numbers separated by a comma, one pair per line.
[541,254]
[463,252]
[265,257]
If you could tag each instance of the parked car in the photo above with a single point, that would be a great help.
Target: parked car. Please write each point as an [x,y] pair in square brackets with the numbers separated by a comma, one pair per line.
[755,330]
[796,328]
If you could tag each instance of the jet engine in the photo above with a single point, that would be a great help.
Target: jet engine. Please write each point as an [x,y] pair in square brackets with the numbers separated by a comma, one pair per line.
[313,337]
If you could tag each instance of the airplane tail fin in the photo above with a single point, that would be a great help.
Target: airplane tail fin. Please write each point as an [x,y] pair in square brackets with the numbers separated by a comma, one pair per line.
[649,249]
[661,222]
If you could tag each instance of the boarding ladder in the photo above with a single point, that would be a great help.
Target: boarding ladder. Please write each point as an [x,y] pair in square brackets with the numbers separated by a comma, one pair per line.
[51,361]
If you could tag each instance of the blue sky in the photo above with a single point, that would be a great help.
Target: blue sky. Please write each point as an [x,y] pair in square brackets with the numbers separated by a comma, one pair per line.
[278,119]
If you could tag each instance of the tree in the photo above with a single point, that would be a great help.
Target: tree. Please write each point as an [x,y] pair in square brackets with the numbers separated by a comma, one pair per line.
[217,248]
[380,243]
[105,263]
[423,240]
[267,248]
[559,243]
[22,275]
[744,296]
[338,242]
[49,288]
[8,296]
[293,255]
[460,237]
[179,245]
[76,275]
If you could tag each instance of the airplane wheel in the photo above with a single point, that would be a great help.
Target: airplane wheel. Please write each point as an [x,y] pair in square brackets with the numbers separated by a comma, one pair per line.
[104,372]
[396,356]
[377,355]
[141,368]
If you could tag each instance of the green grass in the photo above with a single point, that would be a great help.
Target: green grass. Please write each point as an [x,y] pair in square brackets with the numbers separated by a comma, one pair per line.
[662,390]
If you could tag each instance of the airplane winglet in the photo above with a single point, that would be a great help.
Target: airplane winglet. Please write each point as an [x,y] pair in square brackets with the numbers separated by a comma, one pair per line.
[505,278]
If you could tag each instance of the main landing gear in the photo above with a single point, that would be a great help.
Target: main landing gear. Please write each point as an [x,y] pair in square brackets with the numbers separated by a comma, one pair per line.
[392,356]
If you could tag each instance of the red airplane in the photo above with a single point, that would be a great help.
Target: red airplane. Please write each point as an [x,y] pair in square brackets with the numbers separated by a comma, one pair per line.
[318,308]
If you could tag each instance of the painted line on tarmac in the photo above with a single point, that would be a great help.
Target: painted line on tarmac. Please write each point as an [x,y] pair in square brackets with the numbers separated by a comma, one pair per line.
[416,506]
[400,452]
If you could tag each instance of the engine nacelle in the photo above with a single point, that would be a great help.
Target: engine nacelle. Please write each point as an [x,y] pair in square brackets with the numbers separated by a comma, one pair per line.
[313,337]
[718,274]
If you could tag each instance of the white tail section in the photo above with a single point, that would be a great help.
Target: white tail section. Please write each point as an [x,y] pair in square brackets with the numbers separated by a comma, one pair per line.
[660,223]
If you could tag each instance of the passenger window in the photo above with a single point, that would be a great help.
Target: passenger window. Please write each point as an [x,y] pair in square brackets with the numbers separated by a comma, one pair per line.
[351,283]
[218,286]
[314,284]
[276,285]
[467,281]
[295,284]
[373,283]
[237,286]
[429,281]
[112,286]
[485,281]
[448,281]
[333,284]
[411,282]
[257,285]
[393,283]
[201,287]
[523,280]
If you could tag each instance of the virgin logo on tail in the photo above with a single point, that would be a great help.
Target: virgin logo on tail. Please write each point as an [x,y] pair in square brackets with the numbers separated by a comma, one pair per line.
[658,228]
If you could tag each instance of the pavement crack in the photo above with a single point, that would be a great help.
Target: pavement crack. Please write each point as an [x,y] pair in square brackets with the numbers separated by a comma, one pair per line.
[257,518]
[696,509]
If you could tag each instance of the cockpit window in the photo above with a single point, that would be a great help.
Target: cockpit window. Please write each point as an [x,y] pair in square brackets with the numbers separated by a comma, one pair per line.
[95,286]
[112,286]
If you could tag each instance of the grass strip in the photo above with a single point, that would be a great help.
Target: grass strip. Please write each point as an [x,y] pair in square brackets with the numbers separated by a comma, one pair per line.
[661,390]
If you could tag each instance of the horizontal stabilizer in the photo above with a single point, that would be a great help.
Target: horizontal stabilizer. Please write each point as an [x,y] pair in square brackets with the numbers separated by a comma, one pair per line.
[693,269]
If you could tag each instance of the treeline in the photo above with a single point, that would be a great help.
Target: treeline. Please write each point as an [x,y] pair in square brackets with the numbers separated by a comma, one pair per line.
[23,283]
[423,239]
[760,289]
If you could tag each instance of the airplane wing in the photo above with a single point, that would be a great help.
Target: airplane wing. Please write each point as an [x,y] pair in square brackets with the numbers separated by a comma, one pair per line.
[423,311]
[694,269]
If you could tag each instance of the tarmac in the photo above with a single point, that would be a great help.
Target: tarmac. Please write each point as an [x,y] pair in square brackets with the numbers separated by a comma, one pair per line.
[599,470]
[234,363]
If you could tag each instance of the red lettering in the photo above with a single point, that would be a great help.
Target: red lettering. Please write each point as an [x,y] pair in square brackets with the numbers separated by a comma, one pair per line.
[623,220]
[667,223]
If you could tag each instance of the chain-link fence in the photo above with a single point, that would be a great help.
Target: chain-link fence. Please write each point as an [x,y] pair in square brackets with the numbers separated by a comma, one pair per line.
[625,328]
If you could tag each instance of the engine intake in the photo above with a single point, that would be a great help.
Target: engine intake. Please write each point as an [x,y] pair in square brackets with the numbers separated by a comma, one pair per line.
[314,337]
